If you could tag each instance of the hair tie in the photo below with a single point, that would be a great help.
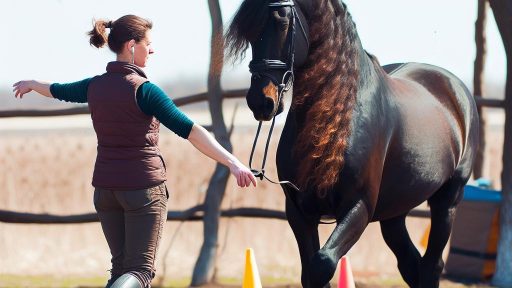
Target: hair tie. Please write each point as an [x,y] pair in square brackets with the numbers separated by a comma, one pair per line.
[108,24]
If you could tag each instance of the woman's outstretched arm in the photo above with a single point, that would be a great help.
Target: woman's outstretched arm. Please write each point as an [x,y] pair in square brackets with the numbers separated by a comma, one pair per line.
[204,142]
[23,87]
[153,101]
[75,92]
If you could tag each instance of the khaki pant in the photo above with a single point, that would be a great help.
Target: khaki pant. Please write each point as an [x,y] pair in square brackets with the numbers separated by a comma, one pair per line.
[132,222]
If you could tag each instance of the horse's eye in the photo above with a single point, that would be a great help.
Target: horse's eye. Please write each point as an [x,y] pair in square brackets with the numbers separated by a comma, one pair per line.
[281,16]
[283,11]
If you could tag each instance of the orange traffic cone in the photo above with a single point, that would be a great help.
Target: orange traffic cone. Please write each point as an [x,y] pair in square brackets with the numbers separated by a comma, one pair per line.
[346,279]
[251,274]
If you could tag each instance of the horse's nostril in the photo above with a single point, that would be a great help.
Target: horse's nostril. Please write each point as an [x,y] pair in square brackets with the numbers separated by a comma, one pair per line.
[268,104]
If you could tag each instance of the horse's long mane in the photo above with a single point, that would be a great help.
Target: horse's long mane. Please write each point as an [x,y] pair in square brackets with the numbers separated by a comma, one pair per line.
[325,90]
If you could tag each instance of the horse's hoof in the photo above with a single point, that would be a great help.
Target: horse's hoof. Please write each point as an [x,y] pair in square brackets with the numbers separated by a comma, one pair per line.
[321,270]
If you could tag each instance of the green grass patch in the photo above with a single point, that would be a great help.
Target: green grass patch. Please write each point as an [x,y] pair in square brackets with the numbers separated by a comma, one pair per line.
[7,280]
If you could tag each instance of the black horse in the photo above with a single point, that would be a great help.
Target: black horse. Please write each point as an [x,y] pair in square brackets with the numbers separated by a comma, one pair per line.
[363,142]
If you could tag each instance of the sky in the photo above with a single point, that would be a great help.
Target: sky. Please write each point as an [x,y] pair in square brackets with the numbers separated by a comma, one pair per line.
[46,39]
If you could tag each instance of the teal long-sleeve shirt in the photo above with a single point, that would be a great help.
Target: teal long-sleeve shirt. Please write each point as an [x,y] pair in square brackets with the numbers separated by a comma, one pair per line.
[150,98]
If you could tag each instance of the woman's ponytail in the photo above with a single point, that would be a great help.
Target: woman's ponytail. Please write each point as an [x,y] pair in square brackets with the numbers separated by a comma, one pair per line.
[123,29]
[98,33]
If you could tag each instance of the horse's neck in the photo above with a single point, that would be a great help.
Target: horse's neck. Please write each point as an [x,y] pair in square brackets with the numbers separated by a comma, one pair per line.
[370,72]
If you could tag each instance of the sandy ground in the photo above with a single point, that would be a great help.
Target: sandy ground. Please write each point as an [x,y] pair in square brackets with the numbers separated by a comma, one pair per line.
[46,166]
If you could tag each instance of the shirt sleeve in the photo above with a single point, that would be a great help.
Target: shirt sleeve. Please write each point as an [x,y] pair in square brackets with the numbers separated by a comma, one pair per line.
[153,101]
[75,92]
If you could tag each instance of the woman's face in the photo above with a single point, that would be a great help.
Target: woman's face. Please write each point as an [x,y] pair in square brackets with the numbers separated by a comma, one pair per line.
[142,50]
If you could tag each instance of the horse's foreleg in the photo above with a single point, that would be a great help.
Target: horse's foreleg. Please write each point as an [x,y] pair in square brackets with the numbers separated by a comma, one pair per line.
[397,238]
[347,232]
[306,235]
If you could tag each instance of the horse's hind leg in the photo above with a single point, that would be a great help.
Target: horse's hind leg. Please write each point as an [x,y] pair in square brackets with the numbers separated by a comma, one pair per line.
[397,238]
[442,209]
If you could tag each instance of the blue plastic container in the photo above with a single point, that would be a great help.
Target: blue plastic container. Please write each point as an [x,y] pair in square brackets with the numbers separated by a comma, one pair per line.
[474,193]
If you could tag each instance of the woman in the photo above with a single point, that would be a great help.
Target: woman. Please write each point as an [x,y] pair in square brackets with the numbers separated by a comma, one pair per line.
[130,195]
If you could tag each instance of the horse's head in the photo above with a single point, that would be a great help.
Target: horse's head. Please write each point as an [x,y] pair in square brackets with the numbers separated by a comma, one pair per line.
[278,46]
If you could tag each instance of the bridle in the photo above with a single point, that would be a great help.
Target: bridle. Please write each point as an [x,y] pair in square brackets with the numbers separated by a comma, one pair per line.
[261,67]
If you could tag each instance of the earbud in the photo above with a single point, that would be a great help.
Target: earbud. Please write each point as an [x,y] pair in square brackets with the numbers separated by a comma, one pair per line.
[133,54]
[133,49]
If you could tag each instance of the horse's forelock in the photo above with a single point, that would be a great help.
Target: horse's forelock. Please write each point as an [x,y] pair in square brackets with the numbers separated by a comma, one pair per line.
[246,26]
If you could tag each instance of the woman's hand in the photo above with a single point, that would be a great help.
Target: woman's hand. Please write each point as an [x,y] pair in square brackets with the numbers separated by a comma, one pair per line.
[243,175]
[21,88]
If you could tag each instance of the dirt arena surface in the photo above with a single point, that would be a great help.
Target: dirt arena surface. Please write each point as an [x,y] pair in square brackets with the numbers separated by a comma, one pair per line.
[46,167]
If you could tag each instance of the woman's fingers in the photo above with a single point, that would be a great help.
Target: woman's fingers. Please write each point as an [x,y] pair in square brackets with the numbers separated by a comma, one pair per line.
[19,90]
[252,179]
[239,180]
[246,180]
[242,179]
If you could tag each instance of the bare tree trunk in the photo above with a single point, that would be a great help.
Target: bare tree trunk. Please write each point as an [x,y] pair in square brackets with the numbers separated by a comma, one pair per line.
[204,268]
[502,10]
[480,41]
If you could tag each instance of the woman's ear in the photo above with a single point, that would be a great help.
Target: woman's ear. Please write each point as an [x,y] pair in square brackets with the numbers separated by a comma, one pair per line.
[130,46]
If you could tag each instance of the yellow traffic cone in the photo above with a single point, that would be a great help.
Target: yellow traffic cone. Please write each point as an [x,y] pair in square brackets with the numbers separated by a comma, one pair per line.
[251,274]
[424,239]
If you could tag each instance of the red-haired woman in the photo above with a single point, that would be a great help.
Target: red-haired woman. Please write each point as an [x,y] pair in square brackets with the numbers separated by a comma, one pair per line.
[129,177]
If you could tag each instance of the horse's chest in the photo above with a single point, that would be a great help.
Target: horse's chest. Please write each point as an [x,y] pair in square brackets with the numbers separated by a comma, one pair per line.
[313,206]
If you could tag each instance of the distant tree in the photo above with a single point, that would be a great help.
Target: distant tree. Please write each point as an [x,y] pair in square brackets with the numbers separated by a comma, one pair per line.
[502,10]
[204,268]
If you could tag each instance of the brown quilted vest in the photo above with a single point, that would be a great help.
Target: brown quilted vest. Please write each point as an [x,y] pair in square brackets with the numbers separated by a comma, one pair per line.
[128,155]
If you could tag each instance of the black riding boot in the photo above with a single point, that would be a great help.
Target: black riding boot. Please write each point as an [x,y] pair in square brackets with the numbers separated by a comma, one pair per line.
[126,281]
